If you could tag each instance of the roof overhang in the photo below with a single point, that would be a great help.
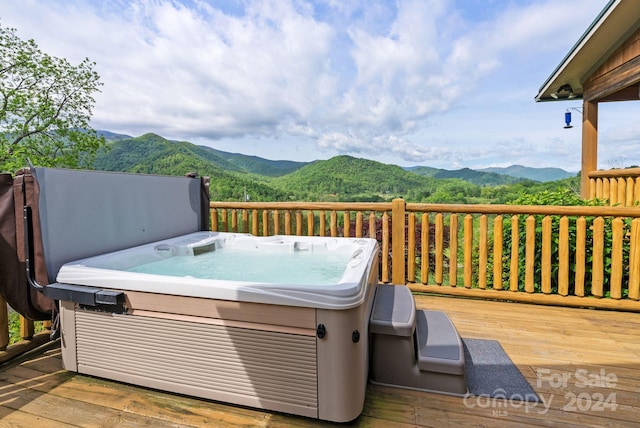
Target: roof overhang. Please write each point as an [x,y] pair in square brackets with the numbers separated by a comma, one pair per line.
[617,21]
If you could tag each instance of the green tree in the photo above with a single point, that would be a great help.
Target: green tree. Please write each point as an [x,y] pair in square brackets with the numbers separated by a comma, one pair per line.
[45,107]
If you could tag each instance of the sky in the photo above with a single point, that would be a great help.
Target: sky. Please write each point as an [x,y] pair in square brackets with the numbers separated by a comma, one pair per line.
[442,83]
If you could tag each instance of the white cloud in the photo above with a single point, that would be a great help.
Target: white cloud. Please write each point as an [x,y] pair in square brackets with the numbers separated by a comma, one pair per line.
[391,80]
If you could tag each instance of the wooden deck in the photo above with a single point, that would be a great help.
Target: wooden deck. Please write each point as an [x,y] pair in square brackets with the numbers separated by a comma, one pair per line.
[557,350]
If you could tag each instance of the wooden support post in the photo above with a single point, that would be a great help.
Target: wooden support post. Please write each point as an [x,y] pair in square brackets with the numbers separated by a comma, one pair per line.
[589,144]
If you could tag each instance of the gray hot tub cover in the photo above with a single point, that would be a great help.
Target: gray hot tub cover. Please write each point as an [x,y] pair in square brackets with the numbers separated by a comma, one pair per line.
[78,214]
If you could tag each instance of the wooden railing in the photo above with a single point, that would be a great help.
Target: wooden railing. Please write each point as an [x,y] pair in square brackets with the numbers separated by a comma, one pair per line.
[619,186]
[570,256]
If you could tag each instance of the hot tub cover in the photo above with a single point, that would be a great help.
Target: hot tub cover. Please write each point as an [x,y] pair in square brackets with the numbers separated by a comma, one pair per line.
[79,213]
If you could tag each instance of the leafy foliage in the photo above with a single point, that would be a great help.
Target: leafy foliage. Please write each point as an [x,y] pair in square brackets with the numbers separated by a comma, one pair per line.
[566,189]
[45,107]
[565,197]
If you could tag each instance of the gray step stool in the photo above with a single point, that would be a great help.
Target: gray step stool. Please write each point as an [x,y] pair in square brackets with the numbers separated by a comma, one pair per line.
[414,349]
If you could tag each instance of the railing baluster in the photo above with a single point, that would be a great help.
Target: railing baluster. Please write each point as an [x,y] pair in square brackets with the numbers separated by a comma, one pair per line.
[214,220]
[622,191]
[359,219]
[634,261]
[27,328]
[372,225]
[234,221]
[424,243]
[298,222]
[439,248]
[265,223]
[255,223]
[346,221]
[468,250]
[225,220]
[629,196]
[287,222]
[276,222]
[563,257]
[334,223]
[245,221]
[323,223]
[515,249]
[546,255]
[411,248]
[530,251]
[453,250]
[581,255]
[597,269]
[483,252]
[497,252]
[311,223]
[616,259]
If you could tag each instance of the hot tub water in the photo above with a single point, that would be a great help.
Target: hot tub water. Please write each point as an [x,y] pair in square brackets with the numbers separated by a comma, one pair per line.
[265,265]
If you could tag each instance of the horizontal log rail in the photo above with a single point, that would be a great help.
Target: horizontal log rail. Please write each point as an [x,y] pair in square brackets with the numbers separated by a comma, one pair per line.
[626,172]
[618,186]
[562,255]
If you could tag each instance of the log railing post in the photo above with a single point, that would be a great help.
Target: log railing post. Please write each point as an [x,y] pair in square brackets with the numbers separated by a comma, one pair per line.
[398,221]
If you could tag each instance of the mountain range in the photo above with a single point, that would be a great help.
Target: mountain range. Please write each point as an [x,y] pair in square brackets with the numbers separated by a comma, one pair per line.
[274,168]
[235,175]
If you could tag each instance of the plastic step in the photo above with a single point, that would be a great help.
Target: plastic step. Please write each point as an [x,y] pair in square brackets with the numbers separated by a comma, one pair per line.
[439,344]
[394,311]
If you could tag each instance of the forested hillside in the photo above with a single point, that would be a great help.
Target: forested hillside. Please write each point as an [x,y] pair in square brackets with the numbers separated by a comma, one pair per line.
[466,174]
[348,178]
[152,154]
[257,165]
[536,174]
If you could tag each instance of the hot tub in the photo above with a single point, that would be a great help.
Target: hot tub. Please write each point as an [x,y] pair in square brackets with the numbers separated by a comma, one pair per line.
[278,323]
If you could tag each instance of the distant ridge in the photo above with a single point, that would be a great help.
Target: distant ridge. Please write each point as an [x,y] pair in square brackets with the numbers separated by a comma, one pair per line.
[537,174]
[112,136]
[258,165]
[276,168]
[472,176]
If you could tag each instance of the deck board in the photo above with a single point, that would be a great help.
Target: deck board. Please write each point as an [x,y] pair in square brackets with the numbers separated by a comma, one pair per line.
[560,341]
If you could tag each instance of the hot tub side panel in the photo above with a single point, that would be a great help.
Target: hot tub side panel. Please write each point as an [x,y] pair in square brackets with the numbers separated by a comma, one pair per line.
[235,361]
[343,357]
